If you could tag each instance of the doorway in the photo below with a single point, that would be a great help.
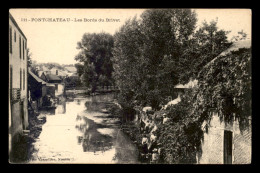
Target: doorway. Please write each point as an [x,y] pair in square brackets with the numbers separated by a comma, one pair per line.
[227,147]
[22,114]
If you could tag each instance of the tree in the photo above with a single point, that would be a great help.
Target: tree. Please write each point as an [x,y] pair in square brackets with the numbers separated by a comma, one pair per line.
[206,43]
[147,54]
[129,66]
[95,54]
[241,35]
[31,63]
[80,72]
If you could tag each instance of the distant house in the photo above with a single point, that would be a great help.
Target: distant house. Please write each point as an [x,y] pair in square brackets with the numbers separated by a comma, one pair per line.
[61,74]
[43,68]
[50,78]
[37,90]
[71,69]
[180,88]
[54,80]
[39,72]
[72,74]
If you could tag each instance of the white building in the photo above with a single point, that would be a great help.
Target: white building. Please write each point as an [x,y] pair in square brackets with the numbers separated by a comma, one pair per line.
[18,112]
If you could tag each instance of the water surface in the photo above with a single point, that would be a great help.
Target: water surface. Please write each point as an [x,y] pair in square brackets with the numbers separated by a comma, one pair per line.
[80,131]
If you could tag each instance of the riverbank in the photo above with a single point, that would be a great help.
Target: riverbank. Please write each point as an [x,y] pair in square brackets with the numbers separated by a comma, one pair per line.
[35,125]
[87,92]
[131,129]
[141,135]
[22,150]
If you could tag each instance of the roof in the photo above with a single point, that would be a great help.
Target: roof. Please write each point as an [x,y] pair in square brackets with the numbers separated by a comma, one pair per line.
[45,68]
[71,69]
[234,47]
[172,102]
[15,24]
[60,73]
[72,74]
[190,84]
[40,72]
[36,77]
[52,77]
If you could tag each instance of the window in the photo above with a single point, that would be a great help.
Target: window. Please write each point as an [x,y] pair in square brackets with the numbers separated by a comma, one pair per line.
[227,147]
[20,47]
[23,50]
[11,79]
[20,78]
[22,114]
[23,79]
[10,40]
[14,36]
[25,44]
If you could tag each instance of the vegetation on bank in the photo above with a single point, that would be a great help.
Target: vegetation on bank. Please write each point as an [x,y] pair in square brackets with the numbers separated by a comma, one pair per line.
[224,84]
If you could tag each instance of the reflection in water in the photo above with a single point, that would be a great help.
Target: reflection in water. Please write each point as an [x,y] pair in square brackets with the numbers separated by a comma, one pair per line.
[94,106]
[78,102]
[81,132]
[61,105]
[61,109]
[49,111]
[91,139]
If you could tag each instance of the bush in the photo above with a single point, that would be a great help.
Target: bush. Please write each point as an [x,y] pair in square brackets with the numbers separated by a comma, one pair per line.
[180,137]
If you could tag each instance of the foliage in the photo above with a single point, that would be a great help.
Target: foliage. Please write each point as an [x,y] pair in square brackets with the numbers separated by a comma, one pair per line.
[51,65]
[129,68]
[145,53]
[80,69]
[180,137]
[71,81]
[30,62]
[241,35]
[225,84]
[206,43]
[95,54]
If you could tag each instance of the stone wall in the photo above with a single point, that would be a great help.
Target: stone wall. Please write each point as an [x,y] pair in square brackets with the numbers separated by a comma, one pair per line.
[242,147]
[213,143]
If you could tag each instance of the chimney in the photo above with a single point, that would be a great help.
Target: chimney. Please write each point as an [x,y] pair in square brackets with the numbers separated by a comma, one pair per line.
[57,72]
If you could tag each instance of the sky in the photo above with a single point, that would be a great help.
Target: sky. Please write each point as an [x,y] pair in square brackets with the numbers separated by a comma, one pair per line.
[51,41]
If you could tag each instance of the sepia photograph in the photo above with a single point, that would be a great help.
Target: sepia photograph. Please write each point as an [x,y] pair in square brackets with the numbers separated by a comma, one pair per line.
[130,86]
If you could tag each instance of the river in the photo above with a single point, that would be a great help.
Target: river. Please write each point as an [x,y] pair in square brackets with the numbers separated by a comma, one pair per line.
[80,131]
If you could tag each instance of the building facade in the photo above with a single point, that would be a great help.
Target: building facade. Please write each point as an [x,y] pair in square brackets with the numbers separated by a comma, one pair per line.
[18,112]
[55,81]
[37,90]
[225,143]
